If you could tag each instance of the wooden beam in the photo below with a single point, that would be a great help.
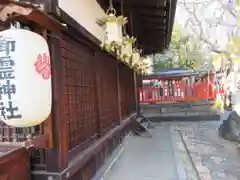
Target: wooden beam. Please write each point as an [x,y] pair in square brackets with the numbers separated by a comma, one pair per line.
[153,42]
[35,1]
[154,29]
[150,28]
[150,34]
[153,20]
[171,19]
[147,28]
[35,15]
[48,124]
[41,141]
[156,12]
[85,156]
[119,94]
[57,157]
[73,26]
[149,25]
[147,44]
[144,11]
[151,16]
[151,38]
[137,9]
[152,3]
[137,94]
[98,91]
[79,161]
[143,46]
[14,163]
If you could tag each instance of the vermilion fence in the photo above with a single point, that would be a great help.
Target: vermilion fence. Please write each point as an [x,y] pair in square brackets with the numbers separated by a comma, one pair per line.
[178,90]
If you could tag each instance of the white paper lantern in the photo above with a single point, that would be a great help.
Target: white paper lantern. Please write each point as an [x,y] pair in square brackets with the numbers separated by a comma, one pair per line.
[126,52]
[135,58]
[25,78]
[127,49]
[112,26]
[146,64]
[113,31]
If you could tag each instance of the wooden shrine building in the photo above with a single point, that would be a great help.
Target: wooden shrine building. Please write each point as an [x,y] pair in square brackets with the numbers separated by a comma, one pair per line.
[94,95]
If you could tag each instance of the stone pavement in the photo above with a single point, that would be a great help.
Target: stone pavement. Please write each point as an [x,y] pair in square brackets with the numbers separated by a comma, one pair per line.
[213,157]
[178,151]
[146,158]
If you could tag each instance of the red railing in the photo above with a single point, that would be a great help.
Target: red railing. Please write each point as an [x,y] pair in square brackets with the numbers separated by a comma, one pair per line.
[178,91]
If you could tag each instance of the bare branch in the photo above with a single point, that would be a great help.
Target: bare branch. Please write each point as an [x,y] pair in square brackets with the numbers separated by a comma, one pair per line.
[196,24]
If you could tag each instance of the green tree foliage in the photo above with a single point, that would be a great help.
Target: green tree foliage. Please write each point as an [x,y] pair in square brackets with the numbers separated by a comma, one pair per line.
[184,52]
[160,62]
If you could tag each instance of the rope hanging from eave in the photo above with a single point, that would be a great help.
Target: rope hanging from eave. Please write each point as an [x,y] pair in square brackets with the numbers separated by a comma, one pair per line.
[132,29]
[110,4]
[124,26]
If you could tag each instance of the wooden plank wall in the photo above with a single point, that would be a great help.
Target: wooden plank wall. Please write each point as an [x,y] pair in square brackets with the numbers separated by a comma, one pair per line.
[80,100]
[128,101]
[93,84]
[14,163]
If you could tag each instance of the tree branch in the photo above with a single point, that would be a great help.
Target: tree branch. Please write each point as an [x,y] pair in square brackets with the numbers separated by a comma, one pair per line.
[198,29]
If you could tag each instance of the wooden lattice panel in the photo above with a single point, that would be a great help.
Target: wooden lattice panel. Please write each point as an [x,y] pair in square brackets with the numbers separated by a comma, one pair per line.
[108,100]
[79,92]
[127,91]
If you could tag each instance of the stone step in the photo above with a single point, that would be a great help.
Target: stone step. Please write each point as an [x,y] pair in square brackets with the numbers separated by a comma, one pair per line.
[180,112]
[142,128]
[195,109]
[185,118]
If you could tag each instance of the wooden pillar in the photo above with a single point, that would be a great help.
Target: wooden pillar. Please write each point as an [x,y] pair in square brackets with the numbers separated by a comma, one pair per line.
[57,157]
[119,94]
[46,127]
[136,88]
[98,91]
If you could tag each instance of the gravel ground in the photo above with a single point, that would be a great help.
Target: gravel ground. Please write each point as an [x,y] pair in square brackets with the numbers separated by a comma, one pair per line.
[213,157]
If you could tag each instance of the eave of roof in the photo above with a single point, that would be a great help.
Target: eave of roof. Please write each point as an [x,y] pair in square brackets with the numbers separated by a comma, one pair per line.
[151,22]
[13,10]
[177,72]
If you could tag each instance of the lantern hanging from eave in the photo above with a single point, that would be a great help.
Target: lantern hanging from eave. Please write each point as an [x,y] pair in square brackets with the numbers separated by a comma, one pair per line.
[140,67]
[141,61]
[145,65]
[145,68]
[25,78]
[135,57]
[127,50]
[136,67]
[113,30]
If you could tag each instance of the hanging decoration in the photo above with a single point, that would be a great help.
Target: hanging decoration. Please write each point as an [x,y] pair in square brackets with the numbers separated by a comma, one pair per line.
[122,46]
[113,30]
[26,91]
[127,49]
[145,68]
[135,58]
[140,66]
[145,65]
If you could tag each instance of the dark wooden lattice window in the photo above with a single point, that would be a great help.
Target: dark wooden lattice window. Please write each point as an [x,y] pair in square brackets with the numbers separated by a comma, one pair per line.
[108,100]
[127,91]
[79,92]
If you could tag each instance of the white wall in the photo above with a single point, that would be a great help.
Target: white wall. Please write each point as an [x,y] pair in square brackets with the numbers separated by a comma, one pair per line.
[85,12]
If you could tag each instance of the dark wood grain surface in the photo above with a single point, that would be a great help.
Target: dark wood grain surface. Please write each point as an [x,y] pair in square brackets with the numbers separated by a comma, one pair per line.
[14,163]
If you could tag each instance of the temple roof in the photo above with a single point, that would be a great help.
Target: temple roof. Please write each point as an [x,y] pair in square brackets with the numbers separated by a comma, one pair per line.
[151,22]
